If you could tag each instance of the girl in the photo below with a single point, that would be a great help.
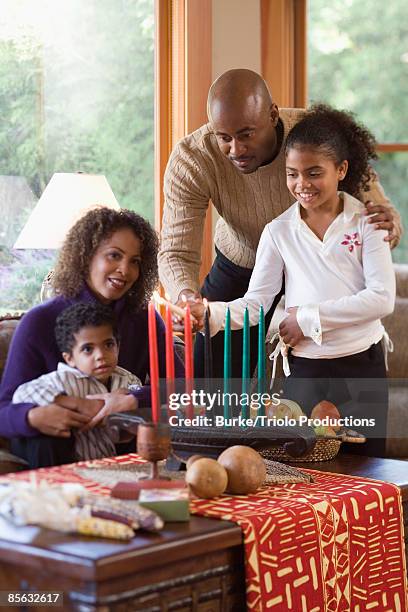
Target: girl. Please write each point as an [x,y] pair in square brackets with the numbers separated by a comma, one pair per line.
[339,279]
[108,257]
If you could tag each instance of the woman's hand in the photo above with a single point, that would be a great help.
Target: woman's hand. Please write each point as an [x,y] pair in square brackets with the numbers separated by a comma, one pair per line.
[86,407]
[55,420]
[289,328]
[116,401]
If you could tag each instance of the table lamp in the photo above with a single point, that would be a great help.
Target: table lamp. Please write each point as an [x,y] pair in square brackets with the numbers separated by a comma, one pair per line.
[66,198]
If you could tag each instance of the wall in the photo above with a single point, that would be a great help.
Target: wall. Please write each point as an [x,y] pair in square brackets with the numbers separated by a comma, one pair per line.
[236,41]
[236,33]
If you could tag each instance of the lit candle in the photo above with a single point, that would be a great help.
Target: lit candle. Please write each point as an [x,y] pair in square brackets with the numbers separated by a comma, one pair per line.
[261,356]
[208,366]
[227,360]
[188,348]
[245,365]
[169,353]
[180,312]
[154,363]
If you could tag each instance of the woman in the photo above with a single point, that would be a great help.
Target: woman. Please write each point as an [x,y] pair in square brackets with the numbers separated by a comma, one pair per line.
[109,257]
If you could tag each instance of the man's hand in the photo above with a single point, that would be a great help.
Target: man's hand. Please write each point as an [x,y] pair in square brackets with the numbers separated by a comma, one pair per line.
[383,218]
[289,329]
[116,401]
[192,298]
[54,420]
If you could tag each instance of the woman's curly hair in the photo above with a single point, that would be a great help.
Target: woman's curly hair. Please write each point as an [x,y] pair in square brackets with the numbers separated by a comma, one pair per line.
[85,237]
[340,137]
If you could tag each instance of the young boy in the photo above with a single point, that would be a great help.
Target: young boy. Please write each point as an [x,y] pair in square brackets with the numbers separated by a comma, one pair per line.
[87,337]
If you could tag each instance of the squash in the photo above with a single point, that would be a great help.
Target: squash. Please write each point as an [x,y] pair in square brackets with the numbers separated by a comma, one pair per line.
[206,478]
[245,468]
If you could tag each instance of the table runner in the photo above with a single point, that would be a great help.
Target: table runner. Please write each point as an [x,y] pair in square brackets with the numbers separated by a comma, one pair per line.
[335,545]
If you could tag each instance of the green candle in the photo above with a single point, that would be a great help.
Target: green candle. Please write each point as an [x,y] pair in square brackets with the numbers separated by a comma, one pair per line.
[245,365]
[261,356]
[227,360]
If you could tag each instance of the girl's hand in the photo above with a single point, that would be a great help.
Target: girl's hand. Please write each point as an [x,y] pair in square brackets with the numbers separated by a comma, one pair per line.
[116,401]
[289,329]
[197,309]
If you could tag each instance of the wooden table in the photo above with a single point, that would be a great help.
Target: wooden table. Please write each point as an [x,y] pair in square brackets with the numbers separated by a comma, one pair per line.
[189,566]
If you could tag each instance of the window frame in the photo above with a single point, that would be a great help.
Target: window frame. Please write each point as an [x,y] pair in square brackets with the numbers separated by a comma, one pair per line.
[183,75]
[284,56]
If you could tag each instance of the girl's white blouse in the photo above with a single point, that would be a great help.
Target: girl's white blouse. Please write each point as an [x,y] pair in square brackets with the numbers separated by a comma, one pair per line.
[342,285]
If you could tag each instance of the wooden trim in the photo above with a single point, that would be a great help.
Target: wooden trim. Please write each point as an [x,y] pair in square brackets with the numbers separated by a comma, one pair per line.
[162,102]
[183,77]
[283,50]
[178,71]
[300,53]
[277,48]
[392,147]
[199,78]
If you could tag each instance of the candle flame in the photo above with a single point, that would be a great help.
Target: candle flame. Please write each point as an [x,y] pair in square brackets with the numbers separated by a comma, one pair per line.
[183,298]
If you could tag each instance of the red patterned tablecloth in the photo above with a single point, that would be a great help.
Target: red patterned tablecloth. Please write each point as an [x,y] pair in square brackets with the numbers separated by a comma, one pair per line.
[335,545]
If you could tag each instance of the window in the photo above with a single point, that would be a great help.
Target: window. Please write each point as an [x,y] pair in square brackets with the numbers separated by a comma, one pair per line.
[76,94]
[358,60]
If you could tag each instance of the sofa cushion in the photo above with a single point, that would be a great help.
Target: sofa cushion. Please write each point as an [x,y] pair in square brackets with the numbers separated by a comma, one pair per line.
[401,273]
[7,329]
[8,325]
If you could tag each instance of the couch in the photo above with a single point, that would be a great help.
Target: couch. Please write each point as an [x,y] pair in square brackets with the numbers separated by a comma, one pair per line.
[396,326]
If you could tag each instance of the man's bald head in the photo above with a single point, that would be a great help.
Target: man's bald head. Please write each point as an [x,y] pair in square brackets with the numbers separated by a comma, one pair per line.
[244,119]
[238,88]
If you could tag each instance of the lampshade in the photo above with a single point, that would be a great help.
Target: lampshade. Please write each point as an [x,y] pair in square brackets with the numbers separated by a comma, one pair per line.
[66,198]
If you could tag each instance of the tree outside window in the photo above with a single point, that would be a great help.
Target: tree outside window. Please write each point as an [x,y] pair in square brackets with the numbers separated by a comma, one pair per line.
[358,61]
[76,94]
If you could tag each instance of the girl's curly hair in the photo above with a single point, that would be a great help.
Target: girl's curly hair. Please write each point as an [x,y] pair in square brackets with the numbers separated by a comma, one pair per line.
[340,137]
[85,237]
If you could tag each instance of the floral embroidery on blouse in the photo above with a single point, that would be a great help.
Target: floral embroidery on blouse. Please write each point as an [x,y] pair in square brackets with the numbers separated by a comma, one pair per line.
[351,241]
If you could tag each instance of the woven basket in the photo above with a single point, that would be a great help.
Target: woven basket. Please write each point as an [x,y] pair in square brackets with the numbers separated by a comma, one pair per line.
[324,450]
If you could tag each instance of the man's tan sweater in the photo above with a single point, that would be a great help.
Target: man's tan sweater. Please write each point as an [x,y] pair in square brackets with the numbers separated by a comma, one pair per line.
[198,172]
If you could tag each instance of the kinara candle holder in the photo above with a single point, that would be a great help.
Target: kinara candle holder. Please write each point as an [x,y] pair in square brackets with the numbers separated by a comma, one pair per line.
[153,444]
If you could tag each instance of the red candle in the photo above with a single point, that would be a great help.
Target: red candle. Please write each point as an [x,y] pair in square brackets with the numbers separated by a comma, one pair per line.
[154,363]
[169,352]
[188,347]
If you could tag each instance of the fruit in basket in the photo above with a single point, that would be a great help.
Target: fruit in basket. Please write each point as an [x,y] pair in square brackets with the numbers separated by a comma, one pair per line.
[285,408]
[206,478]
[296,410]
[245,468]
[279,411]
[326,409]
[324,431]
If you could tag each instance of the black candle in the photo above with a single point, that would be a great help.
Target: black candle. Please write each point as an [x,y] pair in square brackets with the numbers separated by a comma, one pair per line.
[208,365]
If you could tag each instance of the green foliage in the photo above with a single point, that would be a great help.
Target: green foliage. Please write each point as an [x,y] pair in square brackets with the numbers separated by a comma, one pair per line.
[358,60]
[76,94]
[81,97]
[20,282]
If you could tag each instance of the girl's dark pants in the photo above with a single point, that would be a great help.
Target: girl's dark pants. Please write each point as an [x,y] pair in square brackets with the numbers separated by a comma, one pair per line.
[356,384]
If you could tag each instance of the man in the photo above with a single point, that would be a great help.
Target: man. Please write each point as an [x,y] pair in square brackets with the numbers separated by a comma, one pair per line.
[237,161]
